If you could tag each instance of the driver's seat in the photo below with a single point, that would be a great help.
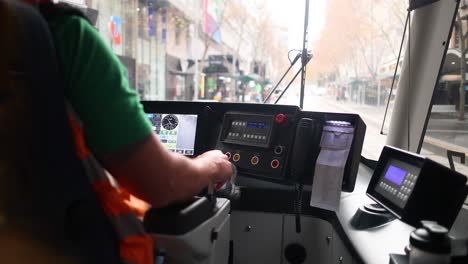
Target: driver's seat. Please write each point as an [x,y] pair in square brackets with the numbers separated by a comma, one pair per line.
[45,196]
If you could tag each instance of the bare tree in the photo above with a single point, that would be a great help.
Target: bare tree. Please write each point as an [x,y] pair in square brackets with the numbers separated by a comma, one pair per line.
[353,37]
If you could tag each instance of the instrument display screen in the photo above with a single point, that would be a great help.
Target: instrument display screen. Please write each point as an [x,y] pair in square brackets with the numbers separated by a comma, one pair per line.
[176,131]
[395,174]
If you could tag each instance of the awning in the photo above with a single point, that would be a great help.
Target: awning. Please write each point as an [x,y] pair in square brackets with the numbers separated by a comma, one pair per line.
[248,78]
[452,62]
[215,69]
[174,66]
[450,78]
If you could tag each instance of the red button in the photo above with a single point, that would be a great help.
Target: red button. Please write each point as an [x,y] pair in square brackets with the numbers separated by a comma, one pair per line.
[275,163]
[228,155]
[280,118]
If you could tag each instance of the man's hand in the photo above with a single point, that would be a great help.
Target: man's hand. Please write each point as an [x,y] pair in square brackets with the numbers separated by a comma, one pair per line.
[152,173]
[216,165]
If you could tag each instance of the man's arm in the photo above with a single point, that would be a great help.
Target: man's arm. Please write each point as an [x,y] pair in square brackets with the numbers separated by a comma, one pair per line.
[115,126]
[158,176]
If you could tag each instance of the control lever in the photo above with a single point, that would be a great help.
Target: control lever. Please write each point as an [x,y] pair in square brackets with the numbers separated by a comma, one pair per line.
[308,132]
[229,189]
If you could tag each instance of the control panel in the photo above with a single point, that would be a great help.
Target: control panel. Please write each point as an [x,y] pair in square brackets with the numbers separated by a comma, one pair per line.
[276,143]
[398,181]
[248,130]
[415,188]
[257,143]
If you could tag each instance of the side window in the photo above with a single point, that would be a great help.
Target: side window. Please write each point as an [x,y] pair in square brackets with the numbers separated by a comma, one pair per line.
[446,138]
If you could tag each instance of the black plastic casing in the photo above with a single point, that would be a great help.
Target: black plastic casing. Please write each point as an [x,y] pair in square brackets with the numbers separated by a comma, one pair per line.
[438,194]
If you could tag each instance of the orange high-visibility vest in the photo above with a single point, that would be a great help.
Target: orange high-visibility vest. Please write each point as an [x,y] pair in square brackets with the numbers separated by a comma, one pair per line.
[136,247]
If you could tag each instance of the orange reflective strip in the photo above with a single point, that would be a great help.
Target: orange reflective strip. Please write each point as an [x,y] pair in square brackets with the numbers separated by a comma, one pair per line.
[139,206]
[112,200]
[137,249]
[78,137]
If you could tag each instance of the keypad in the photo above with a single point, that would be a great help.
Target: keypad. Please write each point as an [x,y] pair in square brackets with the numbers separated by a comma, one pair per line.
[407,186]
[388,188]
[402,192]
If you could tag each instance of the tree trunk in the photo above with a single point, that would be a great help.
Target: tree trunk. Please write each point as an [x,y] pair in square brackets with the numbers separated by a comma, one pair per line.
[461,103]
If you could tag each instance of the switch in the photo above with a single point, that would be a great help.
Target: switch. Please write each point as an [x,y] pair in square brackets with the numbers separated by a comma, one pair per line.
[254,160]
[275,163]
[280,119]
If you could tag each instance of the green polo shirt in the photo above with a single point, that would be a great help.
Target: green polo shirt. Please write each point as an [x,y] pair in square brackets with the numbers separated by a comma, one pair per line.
[97,87]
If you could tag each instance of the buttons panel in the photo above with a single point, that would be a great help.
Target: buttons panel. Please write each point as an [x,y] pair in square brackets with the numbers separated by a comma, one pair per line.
[388,188]
[403,191]
[253,132]
[407,186]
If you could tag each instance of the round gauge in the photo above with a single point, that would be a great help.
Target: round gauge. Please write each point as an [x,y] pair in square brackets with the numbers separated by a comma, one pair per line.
[170,122]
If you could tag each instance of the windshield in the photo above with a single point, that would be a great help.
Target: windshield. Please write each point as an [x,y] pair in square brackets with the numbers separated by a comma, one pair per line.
[237,51]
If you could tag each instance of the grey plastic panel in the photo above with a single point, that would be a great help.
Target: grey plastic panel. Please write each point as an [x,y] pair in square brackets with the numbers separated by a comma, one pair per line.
[256,237]
[340,254]
[315,236]
[197,246]
[373,245]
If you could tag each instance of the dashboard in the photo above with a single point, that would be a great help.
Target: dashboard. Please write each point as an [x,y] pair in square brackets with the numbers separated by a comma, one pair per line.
[271,143]
[276,146]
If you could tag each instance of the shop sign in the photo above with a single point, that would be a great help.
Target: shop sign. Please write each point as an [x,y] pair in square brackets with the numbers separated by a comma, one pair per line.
[215,60]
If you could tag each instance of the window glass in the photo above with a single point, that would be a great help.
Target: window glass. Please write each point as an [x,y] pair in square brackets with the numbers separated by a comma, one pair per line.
[447,130]
[237,50]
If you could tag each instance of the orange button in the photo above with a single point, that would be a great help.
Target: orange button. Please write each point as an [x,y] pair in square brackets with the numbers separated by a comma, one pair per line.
[236,157]
[254,160]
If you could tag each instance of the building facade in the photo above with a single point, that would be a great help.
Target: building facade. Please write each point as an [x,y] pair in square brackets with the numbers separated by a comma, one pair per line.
[181,49]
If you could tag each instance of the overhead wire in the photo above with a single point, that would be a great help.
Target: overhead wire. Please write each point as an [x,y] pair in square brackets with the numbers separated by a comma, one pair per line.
[289,54]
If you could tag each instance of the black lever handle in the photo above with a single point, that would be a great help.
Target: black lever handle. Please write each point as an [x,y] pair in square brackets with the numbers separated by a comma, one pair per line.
[308,132]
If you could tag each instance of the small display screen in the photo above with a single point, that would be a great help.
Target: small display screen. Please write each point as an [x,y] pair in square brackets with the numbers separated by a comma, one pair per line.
[395,174]
[175,131]
[397,181]
[257,125]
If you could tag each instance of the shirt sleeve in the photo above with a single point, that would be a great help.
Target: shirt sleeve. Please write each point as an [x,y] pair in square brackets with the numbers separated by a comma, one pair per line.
[97,88]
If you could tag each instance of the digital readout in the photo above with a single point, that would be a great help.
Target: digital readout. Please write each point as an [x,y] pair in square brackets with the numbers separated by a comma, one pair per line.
[257,125]
[395,174]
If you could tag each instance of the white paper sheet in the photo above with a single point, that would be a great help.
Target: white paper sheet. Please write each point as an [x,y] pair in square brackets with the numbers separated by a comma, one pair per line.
[329,169]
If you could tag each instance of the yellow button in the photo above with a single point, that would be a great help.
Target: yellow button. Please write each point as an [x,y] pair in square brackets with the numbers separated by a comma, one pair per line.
[254,160]
[236,157]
